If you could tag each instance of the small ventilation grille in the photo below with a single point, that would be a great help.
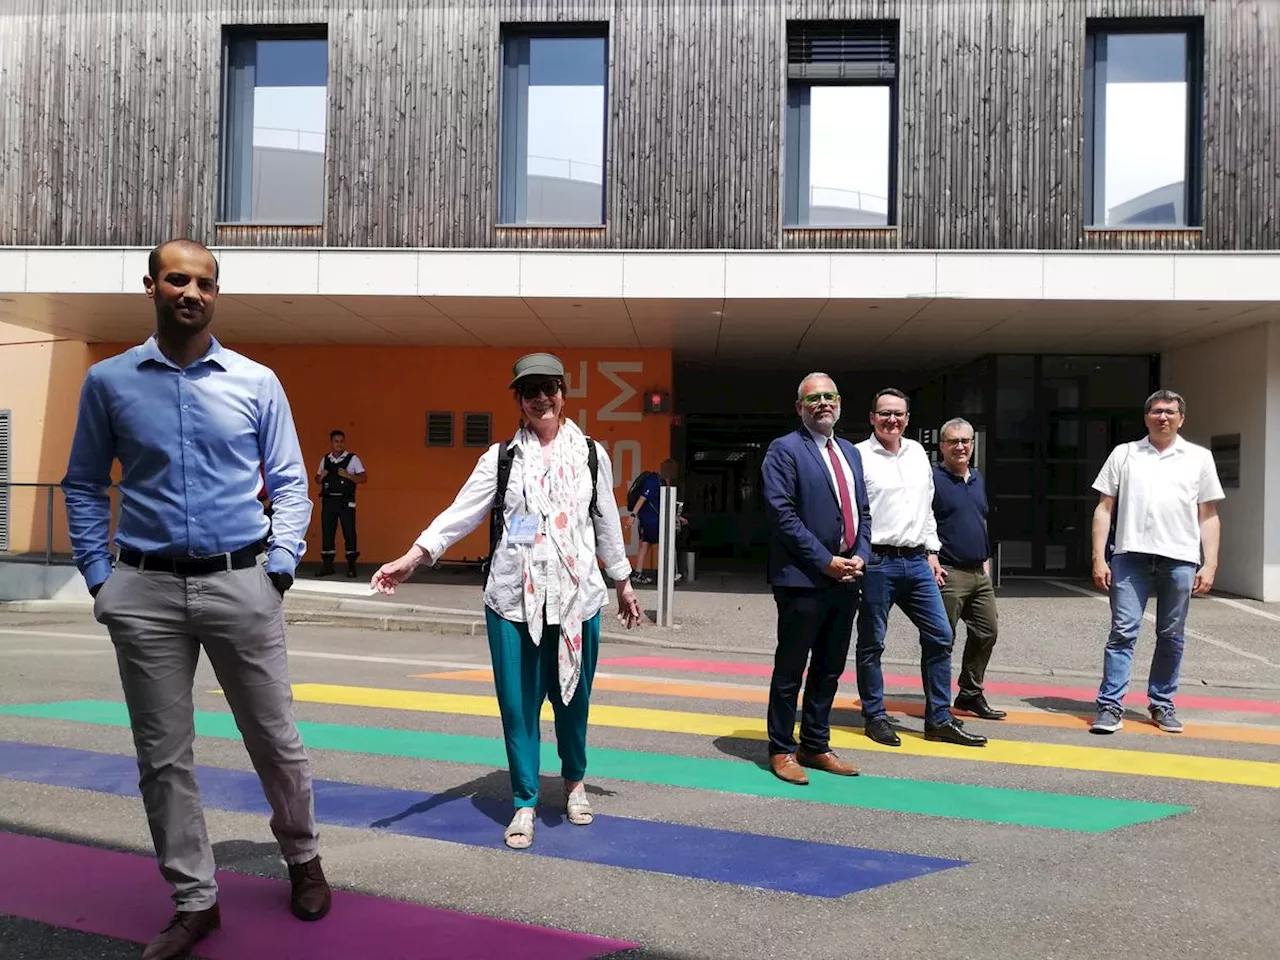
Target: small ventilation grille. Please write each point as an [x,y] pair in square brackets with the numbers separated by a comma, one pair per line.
[477,429]
[5,419]
[439,429]
[848,50]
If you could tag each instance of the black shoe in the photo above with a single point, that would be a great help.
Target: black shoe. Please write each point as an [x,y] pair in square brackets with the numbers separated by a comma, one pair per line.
[952,732]
[351,571]
[979,707]
[881,730]
[326,570]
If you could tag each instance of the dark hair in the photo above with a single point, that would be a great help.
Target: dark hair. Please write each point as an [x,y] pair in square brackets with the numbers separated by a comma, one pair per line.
[337,433]
[889,392]
[153,258]
[1165,395]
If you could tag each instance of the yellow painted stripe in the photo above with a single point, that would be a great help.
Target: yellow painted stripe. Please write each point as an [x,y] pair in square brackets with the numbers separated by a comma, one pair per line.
[1224,732]
[1056,756]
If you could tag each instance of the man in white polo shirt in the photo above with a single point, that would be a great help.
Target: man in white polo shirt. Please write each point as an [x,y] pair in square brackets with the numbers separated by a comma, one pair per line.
[1166,542]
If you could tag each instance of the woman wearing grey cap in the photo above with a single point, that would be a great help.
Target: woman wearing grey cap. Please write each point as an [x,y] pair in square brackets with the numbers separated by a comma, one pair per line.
[545,590]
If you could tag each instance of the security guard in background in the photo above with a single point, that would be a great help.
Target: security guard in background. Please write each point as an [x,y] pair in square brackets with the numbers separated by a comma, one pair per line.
[339,473]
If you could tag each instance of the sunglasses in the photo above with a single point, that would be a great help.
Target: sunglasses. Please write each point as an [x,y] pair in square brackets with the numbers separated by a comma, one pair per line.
[532,389]
[815,398]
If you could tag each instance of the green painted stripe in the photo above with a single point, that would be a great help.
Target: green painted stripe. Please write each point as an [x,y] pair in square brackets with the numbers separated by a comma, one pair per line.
[1024,808]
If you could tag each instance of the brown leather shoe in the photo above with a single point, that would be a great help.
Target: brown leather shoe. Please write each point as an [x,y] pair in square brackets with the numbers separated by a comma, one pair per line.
[827,761]
[784,767]
[185,930]
[311,897]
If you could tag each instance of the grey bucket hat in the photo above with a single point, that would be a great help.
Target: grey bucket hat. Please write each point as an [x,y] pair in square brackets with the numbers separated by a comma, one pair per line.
[536,365]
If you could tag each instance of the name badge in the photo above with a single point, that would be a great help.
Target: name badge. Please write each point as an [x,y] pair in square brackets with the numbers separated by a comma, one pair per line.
[523,530]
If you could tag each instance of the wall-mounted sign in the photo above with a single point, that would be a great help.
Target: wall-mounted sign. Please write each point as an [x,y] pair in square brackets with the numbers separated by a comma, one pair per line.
[1226,454]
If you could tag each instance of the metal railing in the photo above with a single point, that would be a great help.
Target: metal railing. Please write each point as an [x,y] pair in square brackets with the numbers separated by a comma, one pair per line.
[33,523]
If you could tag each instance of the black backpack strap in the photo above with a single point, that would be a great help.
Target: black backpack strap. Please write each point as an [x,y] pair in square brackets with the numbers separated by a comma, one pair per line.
[499,498]
[593,464]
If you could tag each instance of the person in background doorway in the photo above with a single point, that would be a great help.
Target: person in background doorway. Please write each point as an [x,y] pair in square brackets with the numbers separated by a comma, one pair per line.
[339,473]
[903,571]
[1163,492]
[960,509]
[545,591]
[196,428]
[645,512]
[820,537]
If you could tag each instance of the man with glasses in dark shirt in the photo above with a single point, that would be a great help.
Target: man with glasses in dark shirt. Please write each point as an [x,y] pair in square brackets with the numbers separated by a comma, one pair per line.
[960,508]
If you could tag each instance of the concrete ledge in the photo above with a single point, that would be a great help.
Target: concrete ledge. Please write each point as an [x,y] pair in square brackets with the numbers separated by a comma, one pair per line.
[38,581]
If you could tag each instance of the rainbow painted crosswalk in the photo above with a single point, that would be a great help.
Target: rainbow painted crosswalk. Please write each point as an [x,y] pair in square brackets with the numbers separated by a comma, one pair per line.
[724,701]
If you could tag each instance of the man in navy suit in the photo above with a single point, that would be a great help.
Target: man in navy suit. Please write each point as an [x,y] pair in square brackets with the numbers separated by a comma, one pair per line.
[820,540]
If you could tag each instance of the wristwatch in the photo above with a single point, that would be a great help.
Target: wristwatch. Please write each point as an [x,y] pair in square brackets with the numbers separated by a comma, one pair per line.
[932,553]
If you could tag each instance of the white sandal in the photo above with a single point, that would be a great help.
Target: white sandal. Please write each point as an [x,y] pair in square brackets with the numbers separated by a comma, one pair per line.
[519,832]
[578,806]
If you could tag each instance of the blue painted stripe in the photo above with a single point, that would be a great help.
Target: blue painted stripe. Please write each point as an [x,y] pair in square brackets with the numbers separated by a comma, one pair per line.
[723,856]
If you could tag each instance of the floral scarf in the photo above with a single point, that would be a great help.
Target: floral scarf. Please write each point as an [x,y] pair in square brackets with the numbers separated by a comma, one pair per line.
[555,500]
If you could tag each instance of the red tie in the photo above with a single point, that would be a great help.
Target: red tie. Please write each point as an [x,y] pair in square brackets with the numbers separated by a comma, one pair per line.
[846,504]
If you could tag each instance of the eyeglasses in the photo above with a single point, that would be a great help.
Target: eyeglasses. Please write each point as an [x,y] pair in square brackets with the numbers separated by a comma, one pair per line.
[816,398]
[532,389]
[958,442]
[891,414]
[1163,413]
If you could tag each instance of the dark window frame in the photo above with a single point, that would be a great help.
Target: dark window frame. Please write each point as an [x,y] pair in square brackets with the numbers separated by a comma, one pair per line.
[795,166]
[231,148]
[1097,28]
[513,120]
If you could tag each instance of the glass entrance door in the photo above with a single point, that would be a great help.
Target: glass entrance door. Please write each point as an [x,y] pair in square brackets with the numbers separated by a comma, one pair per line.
[1076,444]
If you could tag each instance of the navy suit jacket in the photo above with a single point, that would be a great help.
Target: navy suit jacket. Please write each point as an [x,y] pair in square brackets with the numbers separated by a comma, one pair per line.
[803,509]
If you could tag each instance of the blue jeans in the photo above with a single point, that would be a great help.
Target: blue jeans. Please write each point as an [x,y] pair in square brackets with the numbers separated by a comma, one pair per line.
[908,582]
[1133,578]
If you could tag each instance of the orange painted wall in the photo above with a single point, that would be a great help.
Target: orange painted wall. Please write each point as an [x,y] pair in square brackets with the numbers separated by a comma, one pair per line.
[381,395]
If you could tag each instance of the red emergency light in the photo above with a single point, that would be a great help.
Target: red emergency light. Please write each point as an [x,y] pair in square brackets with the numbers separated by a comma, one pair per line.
[656,401]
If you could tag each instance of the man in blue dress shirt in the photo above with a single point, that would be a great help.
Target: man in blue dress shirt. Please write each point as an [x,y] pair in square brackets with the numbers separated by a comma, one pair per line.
[196,427]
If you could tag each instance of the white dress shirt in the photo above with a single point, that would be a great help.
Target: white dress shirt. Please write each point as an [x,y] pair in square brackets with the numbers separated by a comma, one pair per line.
[503,593]
[822,440]
[900,492]
[354,467]
[1159,496]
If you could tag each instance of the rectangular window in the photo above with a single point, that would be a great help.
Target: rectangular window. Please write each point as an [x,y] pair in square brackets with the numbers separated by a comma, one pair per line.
[554,97]
[274,111]
[1142,98]
[842,110]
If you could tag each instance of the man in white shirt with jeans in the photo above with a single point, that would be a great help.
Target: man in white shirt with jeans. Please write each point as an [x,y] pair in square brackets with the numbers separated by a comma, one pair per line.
[903,570]
[1167,515]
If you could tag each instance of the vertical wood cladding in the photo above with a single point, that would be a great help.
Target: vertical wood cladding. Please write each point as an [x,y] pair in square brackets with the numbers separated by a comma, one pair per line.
[109,114]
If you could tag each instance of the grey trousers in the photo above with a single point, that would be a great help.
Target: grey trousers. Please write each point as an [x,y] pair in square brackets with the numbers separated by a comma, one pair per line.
[158,623]
[968,595]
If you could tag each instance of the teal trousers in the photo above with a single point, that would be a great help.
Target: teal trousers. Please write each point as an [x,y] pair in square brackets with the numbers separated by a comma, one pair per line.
[524,676]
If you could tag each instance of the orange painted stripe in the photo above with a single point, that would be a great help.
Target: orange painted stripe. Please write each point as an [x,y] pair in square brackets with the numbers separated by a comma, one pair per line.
[1230,733]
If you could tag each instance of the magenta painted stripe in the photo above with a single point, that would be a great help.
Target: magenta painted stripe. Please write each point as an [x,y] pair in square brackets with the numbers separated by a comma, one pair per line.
[121,895]
[912,682]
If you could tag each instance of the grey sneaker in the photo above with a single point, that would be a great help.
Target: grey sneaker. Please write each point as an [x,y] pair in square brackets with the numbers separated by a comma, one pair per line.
[1166,719]
[1107,721]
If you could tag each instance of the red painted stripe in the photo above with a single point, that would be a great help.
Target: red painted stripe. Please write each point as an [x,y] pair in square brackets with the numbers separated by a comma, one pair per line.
[121,895]
[909,681]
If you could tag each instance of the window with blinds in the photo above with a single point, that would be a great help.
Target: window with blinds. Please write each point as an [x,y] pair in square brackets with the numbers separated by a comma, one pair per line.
[841,127]
[843,50]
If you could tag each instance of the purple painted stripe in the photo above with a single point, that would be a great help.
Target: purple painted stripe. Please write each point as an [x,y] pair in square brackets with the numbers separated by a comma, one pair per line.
[122,895]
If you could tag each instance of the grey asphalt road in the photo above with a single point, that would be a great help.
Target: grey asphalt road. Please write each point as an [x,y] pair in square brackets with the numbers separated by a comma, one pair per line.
[1200,884]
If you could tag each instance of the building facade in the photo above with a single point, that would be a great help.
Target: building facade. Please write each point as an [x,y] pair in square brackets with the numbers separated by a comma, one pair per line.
[1029,213]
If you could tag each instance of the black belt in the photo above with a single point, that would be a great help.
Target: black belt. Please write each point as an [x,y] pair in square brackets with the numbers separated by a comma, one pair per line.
[968,567]
[885,550]
[192,566]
